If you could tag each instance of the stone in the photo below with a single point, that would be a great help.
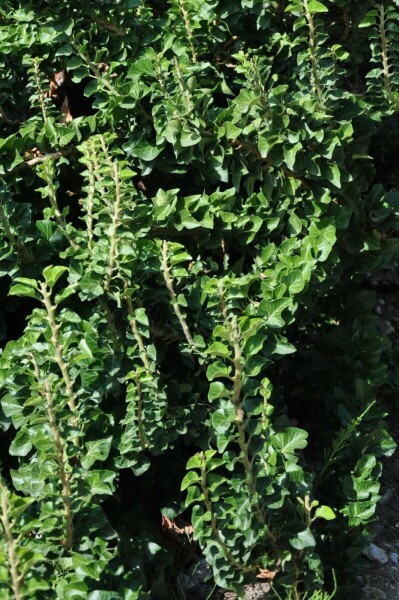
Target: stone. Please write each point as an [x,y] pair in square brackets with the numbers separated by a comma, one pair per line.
[385,498]
[256,591]
[394,558]
[198,574]
[394,469]
[360,581]
[376,594]
[375,554]
[377,528]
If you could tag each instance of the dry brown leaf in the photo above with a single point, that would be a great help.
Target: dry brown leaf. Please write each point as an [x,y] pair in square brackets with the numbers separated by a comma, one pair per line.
[178,527]
[65,111]
[33,153]
[266,574]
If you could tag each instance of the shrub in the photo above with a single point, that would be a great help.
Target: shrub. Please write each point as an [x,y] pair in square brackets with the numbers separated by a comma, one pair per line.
[188,219]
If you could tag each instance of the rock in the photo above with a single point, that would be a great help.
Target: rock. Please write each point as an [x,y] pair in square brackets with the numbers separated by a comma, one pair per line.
[375,554]
[198,574]
[256,591]
[377,528]
[386,327]
[385,498]
[394,558]
[360,581]
[376,594]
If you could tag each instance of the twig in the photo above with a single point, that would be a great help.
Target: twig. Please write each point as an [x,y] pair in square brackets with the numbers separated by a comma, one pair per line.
[110,26]
[95,70]
[39,159]
[7,120]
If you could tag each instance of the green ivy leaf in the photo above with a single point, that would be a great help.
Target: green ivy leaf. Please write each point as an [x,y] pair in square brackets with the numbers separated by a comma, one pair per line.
[21,444]
[96,450]
[219,349]
[223,418]
[24,287]
[304,539]
[52,275]
[325,512]
[317,7]
[289,441]
[190,478]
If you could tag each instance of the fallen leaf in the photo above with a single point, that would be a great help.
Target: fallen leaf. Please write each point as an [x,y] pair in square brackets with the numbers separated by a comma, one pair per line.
[178,527]
[65,111]
[265,574]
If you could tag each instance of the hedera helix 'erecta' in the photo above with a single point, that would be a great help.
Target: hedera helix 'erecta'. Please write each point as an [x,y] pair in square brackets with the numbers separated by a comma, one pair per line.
[189,259]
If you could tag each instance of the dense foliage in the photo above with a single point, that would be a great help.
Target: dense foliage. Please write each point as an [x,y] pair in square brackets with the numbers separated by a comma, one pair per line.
[186,324]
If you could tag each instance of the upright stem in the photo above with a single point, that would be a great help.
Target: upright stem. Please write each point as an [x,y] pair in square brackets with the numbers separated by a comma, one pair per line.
[232,326]
[55,339]
[239,417]
[61,456]
[94,69]
[182,87]
[14,240]
[169,284]
[137,335]
[140,420]
[214,527]
[66,486]
[160,76]
[113,251]
[189,31]
[312,51]
[90,199]
[40,93]
[16,577]
[52,195]
[385,61]
[110,322]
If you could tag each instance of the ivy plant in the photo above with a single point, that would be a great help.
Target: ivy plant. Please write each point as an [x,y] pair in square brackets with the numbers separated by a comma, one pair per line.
[193,196]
